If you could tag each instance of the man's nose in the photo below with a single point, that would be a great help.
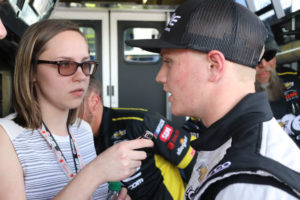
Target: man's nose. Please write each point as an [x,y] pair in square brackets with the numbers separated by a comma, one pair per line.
[160,77]
[262,63]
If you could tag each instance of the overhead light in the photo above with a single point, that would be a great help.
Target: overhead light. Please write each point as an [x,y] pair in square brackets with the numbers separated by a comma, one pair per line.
[145,1]
[90,5]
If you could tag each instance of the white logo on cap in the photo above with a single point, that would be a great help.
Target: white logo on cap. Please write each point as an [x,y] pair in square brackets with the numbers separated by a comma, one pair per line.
[172,22]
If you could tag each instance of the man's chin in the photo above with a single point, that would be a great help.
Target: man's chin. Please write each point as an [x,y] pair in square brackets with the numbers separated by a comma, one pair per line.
[175,111]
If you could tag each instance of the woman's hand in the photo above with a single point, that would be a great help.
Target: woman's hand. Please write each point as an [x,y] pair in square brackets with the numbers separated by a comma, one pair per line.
[122,160]
[123,194]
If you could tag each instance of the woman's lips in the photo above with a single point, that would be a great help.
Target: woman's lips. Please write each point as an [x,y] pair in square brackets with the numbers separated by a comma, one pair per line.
[77,92]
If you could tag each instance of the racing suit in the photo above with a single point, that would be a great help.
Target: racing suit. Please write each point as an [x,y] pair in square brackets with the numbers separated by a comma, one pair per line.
[158,177]
[287,109]
[194,126]
[245,155]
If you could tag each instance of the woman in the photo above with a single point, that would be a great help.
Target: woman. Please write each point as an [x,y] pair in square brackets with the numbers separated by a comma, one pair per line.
[45,152]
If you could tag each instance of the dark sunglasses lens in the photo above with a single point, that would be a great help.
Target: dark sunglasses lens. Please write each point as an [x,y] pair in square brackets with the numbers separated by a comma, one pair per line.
[268,55]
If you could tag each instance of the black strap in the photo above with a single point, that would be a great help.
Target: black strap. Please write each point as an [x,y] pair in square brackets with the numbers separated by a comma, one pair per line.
[286,179]
[73,149]
[214,189]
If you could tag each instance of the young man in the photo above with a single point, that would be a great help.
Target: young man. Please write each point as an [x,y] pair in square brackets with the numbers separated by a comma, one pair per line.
[210,50]
[157,178]
[282,86]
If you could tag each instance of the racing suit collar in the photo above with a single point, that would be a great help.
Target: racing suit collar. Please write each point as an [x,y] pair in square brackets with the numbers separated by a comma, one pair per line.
[252,109]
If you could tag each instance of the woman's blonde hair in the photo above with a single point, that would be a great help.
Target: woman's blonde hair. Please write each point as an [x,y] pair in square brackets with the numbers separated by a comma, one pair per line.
[32,45]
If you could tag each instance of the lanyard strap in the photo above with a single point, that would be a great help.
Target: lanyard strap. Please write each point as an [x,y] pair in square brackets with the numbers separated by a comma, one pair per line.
[78,162]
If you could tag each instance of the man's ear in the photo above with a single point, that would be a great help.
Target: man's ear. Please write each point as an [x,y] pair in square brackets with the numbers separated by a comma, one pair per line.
[94,102]
[217,65]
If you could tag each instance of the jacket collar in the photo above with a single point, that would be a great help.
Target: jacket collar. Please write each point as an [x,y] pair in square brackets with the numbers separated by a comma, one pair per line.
[251,110]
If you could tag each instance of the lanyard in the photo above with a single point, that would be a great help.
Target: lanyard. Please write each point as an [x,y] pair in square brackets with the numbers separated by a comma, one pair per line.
[78,162]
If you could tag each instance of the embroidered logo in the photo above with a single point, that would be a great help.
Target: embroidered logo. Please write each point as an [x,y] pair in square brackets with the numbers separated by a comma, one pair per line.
[118,134]
[183,142]
[202,170]
[174,19]
[286,122]
[171,144]
[219,168]
[159,127]
[290,95]
[136,184]
[288,85]
[190,192]
[295,128]
[166,133]
[137,179]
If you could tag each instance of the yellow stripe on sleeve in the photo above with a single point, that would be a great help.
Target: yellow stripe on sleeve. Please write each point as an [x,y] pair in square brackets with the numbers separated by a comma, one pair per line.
[187,158]
[140,109]
[127,118]
[287,73]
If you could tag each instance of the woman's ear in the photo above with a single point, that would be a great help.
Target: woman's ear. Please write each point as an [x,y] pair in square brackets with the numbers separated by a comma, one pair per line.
[217,65]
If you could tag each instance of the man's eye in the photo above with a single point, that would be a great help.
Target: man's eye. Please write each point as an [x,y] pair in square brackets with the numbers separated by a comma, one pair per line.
[166,61]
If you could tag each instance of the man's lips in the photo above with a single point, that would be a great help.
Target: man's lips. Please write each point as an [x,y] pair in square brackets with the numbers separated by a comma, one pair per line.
[170,97]
[263,73]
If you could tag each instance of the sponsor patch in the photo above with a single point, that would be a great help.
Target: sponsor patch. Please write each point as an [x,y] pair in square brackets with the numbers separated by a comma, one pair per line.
[183,142]
[171,144]
[290,95]
[219,168]
[202,170]
[288,85]
[159,126]
[136,184]
[166,133]
[118,134]
[174,138]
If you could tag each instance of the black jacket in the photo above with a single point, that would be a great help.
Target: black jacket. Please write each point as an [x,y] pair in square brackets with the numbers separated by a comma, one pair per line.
[159,176]
[287,109]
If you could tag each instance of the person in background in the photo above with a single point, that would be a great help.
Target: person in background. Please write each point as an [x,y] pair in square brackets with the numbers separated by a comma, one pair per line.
[282,86]
[194,126]
[3,31]
[158,177]
[210,50]
[46,152]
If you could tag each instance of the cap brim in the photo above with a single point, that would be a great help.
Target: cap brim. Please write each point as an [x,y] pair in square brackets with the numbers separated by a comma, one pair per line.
[272,46]
[153,45]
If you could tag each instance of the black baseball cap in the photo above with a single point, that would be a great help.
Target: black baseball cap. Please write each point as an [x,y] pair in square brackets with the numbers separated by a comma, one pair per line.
[206,25]
[271,44]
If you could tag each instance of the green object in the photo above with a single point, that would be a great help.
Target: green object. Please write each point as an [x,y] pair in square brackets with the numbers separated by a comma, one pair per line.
[114,186]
